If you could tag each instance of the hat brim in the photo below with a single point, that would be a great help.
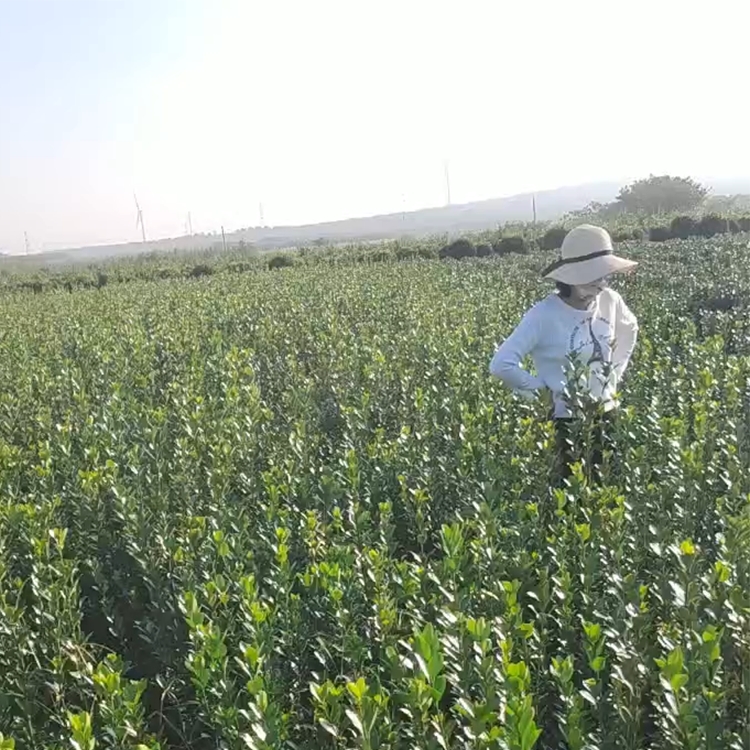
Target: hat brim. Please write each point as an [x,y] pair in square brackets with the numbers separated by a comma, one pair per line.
[588,271]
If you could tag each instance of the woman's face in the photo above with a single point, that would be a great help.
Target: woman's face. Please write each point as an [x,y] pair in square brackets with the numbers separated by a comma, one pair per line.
[589,292]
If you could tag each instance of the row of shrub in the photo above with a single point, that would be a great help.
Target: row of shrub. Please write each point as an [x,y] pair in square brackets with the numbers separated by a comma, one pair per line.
[683,227]
[483,245]
[552,239]
[463,248]
[44,280]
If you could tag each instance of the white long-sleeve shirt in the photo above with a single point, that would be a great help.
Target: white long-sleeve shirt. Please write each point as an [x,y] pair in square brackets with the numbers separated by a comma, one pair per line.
[601,337]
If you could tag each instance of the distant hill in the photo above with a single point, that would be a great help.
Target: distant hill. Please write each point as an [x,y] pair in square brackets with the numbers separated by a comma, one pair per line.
[734,186]
[453,219]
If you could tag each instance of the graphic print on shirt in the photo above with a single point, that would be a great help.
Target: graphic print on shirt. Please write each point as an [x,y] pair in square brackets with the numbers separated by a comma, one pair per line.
[597,343]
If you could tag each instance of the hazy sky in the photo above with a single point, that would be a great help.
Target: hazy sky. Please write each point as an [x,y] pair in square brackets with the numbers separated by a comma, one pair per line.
[325,109]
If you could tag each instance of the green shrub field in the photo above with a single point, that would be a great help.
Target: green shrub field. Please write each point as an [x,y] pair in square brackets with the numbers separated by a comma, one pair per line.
[289,508]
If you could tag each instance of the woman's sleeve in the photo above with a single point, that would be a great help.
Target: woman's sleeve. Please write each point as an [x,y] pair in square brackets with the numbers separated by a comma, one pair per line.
[505,363]
[626,335]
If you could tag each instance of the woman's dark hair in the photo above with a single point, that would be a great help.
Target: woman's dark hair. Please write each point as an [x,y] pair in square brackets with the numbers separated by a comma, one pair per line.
[565,290]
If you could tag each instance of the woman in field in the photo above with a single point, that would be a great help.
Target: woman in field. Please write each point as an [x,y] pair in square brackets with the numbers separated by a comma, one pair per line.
[580,339]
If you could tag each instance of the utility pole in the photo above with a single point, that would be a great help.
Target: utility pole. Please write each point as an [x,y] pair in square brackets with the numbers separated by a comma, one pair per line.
[190,224]
[533,207]
[26,242]
[223,239]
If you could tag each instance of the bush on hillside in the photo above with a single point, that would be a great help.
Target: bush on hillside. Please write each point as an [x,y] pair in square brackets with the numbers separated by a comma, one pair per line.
[427,252]
[711,301]
[484,250]
[661,194]
[238,267]
[744,224]
[460,248]
[622,236]
[405,252]
[734,226]
[509,245]
[711,225]
[202,269]
[683,227]
[637,234]
[280,261]
[553,238]
[659,234]
[37,287]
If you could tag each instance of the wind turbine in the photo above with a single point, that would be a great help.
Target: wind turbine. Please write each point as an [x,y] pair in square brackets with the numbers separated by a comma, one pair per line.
[139,218]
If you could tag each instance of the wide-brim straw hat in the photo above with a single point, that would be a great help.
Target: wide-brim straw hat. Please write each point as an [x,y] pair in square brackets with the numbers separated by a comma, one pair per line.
[586,255]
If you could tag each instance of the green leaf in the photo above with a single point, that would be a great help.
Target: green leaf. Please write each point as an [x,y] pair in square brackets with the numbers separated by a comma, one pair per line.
[330,728]
[252,655]
[710,633]
[588,697]
[355,720]
[427,642]
[80,725]
[435,666]
[315,691]
[439,686]
[584,531]
[598,663]
[678,681]
[673,667]
[679,593]
[466,707]
[530,736]
[723,571]
[687,547]
[358,689]
[593,631]
[423,666]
